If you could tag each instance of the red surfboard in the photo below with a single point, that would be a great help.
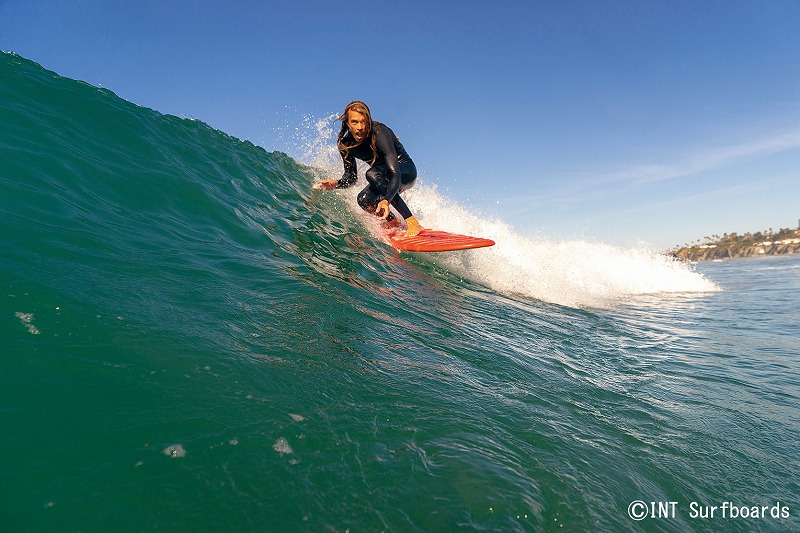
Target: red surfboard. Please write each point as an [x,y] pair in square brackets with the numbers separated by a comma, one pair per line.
[430,240]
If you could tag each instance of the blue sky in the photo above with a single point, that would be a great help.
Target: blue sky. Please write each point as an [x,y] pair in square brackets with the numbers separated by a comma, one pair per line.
[615,121]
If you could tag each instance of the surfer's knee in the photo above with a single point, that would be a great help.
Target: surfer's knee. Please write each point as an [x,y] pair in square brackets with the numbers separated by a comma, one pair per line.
[375,177]
[366,200]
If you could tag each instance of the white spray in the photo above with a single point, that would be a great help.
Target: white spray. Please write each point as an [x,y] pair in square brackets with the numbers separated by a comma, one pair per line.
[573,273]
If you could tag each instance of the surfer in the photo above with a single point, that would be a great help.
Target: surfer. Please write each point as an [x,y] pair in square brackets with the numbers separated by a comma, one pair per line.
[391,169]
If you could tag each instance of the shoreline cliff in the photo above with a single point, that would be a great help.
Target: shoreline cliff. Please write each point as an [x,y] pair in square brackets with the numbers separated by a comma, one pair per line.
[733,246]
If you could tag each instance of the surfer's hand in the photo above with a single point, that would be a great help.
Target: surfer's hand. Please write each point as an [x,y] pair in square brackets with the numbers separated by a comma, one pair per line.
[327,185]
[413,227]
[382,211]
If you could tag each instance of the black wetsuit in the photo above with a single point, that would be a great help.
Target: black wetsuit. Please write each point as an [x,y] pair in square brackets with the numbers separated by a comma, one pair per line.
[392,172]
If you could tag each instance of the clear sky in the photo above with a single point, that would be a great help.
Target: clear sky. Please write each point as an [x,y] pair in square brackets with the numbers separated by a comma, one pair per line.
[616,121]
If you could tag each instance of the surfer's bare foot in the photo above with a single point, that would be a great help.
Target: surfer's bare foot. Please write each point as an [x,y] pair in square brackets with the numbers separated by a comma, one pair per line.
[413,227]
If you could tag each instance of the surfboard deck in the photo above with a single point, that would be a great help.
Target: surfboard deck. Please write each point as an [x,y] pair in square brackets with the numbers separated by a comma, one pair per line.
[434,241]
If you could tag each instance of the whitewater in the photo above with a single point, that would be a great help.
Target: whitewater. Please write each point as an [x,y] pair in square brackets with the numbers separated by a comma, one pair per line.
[194,339]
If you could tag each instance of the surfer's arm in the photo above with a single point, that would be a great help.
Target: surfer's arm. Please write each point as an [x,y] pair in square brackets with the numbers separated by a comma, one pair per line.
[349,177]
[384,142]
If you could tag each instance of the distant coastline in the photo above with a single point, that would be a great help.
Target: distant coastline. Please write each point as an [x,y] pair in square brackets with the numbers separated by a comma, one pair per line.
[734,246]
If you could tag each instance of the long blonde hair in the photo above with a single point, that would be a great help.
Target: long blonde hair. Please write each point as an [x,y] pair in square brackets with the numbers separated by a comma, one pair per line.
[359,107]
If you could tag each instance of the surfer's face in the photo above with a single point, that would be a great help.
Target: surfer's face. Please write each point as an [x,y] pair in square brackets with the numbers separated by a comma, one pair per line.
[357,124]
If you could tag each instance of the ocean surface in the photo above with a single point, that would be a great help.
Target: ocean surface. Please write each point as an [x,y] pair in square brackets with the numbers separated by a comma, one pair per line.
[194,340]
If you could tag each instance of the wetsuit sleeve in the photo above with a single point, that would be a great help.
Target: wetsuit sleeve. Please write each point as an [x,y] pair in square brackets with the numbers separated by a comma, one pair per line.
[350,172]
[385,144]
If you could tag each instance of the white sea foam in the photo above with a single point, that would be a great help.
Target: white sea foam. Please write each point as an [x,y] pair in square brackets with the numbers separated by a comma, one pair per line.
[27,321]
[176,451]
[574,273]
[282,446]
